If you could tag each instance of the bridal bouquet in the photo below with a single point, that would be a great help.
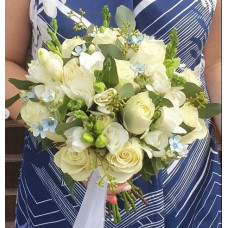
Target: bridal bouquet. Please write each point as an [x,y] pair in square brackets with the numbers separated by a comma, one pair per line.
[115,100]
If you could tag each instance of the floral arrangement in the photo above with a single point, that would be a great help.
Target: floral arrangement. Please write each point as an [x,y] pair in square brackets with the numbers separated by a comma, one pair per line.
[115,100]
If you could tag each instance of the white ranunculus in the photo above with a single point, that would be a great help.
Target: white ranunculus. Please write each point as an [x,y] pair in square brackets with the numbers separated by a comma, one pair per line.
[68,45]
[105,120]
[78,82]
[74,141]
[150,52]
[170,120]
[176,96]
[78,165]
[105,98]
[126,162]
[138,113]
[108,37]
[199,132]
[191,76]
[152,68]
[33,112]
[152,153]
[190,115]
[161,82]
[92,62]
[117,137]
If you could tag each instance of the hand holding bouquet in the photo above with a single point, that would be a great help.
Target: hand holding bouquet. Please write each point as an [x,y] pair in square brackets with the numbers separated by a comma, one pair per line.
[115,100]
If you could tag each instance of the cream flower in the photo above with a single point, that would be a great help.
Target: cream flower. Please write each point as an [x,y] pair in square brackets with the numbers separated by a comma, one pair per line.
[176,96]
[108,37]
[191,76]
[190,115]
[126,162]
[105,98]
[78,165]
[117,137]
[68,45]
[105,120]
[138,113]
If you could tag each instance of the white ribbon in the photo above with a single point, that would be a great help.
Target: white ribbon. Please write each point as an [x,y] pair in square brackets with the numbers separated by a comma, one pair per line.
[92,211]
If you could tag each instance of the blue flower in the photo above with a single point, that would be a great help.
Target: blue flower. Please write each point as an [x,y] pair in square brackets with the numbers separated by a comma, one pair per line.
[78,50]
[30,95]
[49,124]
[138,67]
[134,39]
[177,145]
[48,96]
[38,130]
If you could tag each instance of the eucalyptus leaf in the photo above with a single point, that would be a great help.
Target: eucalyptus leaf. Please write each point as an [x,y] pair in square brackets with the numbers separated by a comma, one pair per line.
[187,128]
[127,90]
[21,84]
[12,100]
[166,102]
[65,60]
[190,89]
[110,77]
[90,28]
[61,127]
[152,95]
[158,163]
[210,110]
[147,165]
[70,182]
[62,109]
[19,117]
[111,49]
[124,14]
[154,165]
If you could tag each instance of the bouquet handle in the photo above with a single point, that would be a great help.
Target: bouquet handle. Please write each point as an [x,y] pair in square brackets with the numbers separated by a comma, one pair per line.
[92,211]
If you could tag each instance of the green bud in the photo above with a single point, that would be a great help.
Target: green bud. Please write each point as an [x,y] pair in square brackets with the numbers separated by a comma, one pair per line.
[92,118]
[54,25]
[164,158]
[101,141]
[102,29]
[153,127]
[99,87]
[50,45]
[87,137]
[157,114]
[89,126]
[91,49]
[60,101]
[170,154]
[22,94]
[97,128]
[79,114]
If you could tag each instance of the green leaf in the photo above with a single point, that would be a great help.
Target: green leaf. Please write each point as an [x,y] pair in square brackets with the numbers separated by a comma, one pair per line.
[152,95]
[61,127]
[110,77]
[90,28]
[166,102]
[65,60]
[111,49]
[20,84]
[62,109]
[187,128]
[159,163]
[124,14]
[12,100]
[88,39]
[70,184]
[127,90]
[119,44]
[46,143]
[210,110]
[147,165]
[171,48]
[155,166]
[19,117]
[190,89]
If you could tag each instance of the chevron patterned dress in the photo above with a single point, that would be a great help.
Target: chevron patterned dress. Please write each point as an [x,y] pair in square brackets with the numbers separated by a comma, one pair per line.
[188,193]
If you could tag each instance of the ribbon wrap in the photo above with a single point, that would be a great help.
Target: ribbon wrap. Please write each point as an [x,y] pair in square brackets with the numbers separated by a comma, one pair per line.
[92,210]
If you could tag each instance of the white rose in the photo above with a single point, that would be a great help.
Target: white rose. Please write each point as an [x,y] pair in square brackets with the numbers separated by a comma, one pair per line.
[33,112]
[117,137]
[176,96]
[105,120]
[150,52]
[78,165]
[74,141]
[138,113]
[170,120]
[108,37]
[78,82]
[126,162]
[92,62]
[190,115]
[68,45]
[191,76]
[153,153]
[199,132]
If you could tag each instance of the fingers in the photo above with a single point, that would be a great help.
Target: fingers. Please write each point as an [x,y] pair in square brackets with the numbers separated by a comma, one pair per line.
[121,188]
[111,198]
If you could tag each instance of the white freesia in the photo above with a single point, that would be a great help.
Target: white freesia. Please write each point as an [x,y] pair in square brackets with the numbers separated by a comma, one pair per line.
[126,162]
[105,98]
[153,68]
[138,113]
[68,45]
[176,96]
[150,52]
[78,165]
[78,82]
[190,115]
[92,62]
[199,132]
[191,76]
[117,137]
[74,141]
[105,120]
[161,82]
[170,120]
[153,153]
[109,36]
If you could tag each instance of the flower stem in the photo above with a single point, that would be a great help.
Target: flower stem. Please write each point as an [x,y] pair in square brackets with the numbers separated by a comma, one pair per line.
[138,195]
[131,201]
[114,212]
[126,204]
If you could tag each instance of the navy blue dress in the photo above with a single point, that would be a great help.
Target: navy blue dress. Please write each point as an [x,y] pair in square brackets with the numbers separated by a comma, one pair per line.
[188,193]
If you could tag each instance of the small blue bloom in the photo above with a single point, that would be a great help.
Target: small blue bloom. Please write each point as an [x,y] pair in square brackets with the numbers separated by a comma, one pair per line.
[38,130]
[138,68]
[134,39]
[48,96]
[49,124]
[30,95]
[177,145]
[78,50]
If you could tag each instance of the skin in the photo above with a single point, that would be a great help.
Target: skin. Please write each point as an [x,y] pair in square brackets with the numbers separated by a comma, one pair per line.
[18,35]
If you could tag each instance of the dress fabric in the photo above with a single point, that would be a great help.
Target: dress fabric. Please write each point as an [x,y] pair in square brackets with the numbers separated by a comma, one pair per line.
[188,193]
